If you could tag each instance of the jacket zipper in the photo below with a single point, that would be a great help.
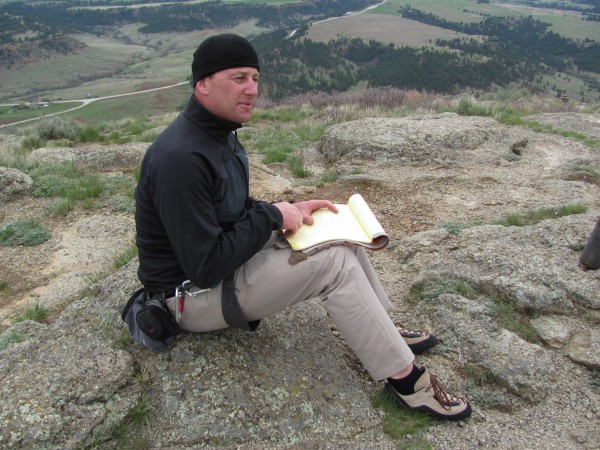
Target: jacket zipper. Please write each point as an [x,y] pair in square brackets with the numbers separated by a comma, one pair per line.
[238,162]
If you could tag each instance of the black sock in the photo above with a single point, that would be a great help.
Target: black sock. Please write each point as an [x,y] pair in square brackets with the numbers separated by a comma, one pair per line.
[406,385]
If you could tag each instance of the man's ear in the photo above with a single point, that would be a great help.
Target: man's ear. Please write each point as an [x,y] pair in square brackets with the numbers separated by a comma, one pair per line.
[201,88]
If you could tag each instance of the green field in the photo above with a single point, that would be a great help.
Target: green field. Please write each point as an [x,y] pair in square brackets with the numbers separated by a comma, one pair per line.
[136,5]
[7,117]
[383,28]
[567,23]
[148,104]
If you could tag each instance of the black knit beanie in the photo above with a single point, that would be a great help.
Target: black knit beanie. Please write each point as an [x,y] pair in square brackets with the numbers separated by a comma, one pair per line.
[220,52]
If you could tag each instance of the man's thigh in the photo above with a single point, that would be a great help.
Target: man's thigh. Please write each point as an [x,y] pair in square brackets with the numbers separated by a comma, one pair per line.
[269,283]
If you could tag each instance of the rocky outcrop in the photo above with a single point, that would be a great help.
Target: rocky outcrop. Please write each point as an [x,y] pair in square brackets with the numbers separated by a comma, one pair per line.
[13,183]
[68,383]
[422,139]
[516,316]
[96,157]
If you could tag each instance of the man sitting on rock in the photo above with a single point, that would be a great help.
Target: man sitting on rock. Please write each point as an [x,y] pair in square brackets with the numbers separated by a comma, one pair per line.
[195,221]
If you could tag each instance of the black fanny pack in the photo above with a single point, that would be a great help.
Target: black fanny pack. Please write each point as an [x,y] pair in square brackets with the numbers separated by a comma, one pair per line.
[149,320]
[155,319]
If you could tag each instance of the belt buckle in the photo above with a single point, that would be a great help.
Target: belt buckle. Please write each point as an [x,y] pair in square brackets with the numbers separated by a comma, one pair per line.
[187,287]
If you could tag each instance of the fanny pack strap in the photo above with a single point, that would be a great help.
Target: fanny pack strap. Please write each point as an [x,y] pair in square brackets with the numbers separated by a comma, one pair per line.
[232,312]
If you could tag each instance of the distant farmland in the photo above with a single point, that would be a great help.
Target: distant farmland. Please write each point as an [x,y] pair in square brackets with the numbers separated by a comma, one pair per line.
[384,28]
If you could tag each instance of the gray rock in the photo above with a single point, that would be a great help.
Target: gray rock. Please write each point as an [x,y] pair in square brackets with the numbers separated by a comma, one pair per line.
[554,331]
[293,384]
[105,158]
[468,327]
[285,385]
[71,381]
[227,386]
[13,183]
[536,266]
[413,139]
[584,348]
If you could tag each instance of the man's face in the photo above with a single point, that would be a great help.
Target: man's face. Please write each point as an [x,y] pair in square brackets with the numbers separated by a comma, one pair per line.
[230,93]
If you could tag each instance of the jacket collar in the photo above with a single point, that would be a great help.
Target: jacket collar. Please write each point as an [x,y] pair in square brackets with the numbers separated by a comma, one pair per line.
[203,118]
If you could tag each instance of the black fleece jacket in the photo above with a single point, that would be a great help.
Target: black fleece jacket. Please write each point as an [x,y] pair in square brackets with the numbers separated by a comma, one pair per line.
[194,218]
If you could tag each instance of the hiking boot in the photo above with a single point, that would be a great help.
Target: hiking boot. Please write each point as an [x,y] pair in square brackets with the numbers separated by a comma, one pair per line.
[418,341]
[430,398]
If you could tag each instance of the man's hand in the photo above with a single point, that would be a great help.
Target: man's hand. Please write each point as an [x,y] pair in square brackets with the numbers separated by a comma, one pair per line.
[292,217]
[307,207]
[297,214]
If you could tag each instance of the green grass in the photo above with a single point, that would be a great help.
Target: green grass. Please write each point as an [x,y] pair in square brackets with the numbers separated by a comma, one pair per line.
[533,217]
[25,232]
[65,180]
[330,176]
[9,338]
[3,284]
[453,227]
[584,172]
[125,435]
[402,424]
[505,310]
[66,131]
[434,287]
[7,117]
[297,168]
[567,25]
[511,157]
[515,319]
[127,255]
[123,108]
[60,207]
[37,313]
[511,116]
[283,130]
[282,114]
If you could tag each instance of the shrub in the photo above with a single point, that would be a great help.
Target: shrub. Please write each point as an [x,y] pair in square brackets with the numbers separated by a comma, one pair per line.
[466,107]
[298,169]
[25,232]
[67,181]
[32,142]
[55,128]
[60,207]
[453,227]
[330,176]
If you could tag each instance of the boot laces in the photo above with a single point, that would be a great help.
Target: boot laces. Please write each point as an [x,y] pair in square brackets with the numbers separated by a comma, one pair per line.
[408,332]
[446,399]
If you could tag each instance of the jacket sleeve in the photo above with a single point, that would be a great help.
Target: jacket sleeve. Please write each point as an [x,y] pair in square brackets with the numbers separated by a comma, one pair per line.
[207,252]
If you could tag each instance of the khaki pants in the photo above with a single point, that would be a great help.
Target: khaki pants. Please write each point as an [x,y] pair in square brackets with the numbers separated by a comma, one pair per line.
[340,276]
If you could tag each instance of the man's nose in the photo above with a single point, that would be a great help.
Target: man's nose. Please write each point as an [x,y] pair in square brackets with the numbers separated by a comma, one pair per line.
[252,88]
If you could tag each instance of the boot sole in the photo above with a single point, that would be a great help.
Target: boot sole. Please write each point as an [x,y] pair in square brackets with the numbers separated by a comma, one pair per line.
[423,346]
